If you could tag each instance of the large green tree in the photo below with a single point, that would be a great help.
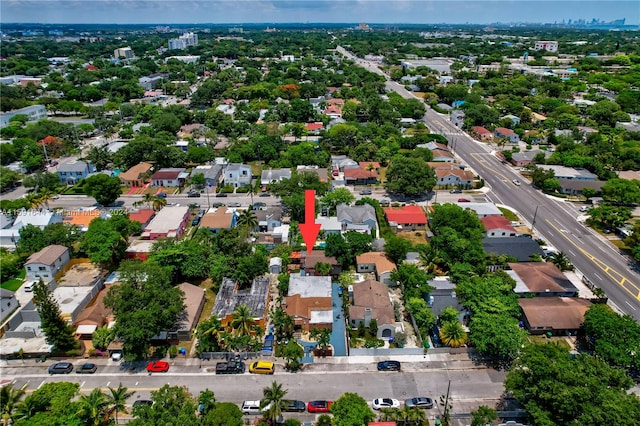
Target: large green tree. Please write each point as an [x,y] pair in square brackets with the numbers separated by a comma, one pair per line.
[351,410]
[56,329]
[410,176]
[144,304]
[173,404]
[557,388]
[103,243]
[105,189]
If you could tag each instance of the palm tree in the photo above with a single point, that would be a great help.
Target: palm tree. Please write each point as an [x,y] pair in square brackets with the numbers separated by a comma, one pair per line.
[452,334]
[248,220]
[322,336]
[431,259]
[561,260]
[159,203]
[216,329]
[389,414]
[410,416]
[148,199]
[93,408]
[45,195]
[273,396]
[118,399]
[9,398]
[27,409]
[242,320]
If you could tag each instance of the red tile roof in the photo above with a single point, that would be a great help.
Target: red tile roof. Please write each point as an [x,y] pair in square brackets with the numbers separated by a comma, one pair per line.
[365,164]
[313,126]
[481,130]
[497,222]
[166,174]
[143,216]
[359,173]
[406,215]
[504,131]
[332,110]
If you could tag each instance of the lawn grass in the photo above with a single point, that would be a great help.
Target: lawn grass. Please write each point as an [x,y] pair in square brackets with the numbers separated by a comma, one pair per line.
[14,283]
[511,216]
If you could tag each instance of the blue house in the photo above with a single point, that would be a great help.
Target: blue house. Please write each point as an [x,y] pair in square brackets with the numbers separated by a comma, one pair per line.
[71,173]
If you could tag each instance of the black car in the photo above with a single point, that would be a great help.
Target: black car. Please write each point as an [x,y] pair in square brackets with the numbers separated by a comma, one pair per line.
[455,191]
[61,368]
[217,204]
[88,368]
[264,194]
[293,405]
[389,366]
[193,195]
[142,402]
[419,402]
[195,221]
[221,194]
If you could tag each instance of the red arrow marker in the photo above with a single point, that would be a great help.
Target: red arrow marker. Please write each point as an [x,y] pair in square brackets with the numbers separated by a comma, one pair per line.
[309,228]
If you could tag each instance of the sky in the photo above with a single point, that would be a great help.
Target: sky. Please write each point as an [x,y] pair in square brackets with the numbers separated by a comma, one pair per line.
[302,11]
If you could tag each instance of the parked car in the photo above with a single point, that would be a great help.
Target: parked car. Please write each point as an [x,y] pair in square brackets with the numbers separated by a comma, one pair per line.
[319,406]
[584,209]
[235,204]
[389,366]
[221,194]
[293,405]
[265,194]
[419,402]
[463,200]
[193,194]
[259,205]
[142,402]
[516,182]
[262,367]
[365,192]
[162,195]
[230,367]
[88,368]
[195,221]
[158,367]
[217,204]
[380,403]
[455,191]
[61,368]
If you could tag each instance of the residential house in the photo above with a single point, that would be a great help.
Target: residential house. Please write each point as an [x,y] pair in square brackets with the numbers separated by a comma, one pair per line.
[360,176]
[275,265]
[504,133]
[218,218]
[8,303]
[541,279]
[558,316]
[79,285]
[562,172]
[309,312]
[274,176]
[537,118]
[237,175]
[454,177]
[575,187]
[309,262]
[407,218]
[83,217]
[498,226]
[71,172]
[442,155]
[194,298]
[482,209]
[170,222]
[142,216]
[333,111]
[534,137]
[9,235]
[169,177]
[628,174]
[366,165]
[370,300]
[231,296]
[136,175]
[94,316]
[514,119]
[482,133]
[211,173]
[357,218]
[314,128]
[47,263]
[443,295]
[330,225]
[309,286]
[522,248]
[378,263]
[139,249]
[269,219]
[342,163]
[321,172]
[523,159]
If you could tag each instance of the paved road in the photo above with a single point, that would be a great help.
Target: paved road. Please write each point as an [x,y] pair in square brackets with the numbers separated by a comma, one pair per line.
[555,221]
[469,387]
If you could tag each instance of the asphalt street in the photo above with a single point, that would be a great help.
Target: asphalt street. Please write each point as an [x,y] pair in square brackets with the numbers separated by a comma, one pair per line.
[554,220]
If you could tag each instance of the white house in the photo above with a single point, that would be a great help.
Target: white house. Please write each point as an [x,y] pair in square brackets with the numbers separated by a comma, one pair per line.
[237,175]
[46,263]
[8,303]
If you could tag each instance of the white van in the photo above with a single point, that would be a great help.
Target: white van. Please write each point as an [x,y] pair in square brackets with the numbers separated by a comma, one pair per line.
[251,407]
[28,286]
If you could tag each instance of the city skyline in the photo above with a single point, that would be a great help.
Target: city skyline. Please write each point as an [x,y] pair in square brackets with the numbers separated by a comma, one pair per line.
[313,11]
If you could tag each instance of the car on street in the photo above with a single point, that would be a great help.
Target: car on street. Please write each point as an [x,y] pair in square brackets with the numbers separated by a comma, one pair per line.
[319,406]
[193,194]
[584,209]
[217,204]
[158,367]
[162,195]
[264,194]
[419,402]
[365,192]
[380,403]
[221,195]
[235,204]
[292,405]
[87,368]
[259,205]
[516,182]
[463,200]
[455,191]
[389,365]
[262,367]
[142,402]
[61,368]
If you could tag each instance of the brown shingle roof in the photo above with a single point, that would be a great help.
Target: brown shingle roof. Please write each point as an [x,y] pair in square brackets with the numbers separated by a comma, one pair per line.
[316,257]
[557,313]
[358,173]
[219,219]
[297,305]
[135,172]
[382,262]
[48,255]
[96,314]
[541,276]
[374,295]
[193,300]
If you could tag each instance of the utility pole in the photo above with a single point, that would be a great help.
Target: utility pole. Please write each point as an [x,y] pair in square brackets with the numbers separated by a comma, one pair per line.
[533,222]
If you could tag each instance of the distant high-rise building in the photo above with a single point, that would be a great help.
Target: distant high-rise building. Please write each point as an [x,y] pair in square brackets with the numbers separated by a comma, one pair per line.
[184,41]
[239,30]
[123,52]
[549,46]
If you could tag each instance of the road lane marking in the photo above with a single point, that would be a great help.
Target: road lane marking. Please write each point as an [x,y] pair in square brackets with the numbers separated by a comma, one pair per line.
[40,385]
[571,252]
[629,305]
[82,384]
[108,383]
[598,276]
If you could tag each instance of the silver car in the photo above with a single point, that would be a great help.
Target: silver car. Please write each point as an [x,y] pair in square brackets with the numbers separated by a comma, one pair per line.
[419,402]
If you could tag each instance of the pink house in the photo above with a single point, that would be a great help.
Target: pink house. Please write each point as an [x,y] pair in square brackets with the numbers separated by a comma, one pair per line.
[170,222]
[482,133]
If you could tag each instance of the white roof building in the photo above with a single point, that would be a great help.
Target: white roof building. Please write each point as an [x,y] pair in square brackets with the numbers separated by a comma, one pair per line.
[309,286]
[482,209]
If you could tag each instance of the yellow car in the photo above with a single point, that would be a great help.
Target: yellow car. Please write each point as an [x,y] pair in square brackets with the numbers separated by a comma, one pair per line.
[261,367]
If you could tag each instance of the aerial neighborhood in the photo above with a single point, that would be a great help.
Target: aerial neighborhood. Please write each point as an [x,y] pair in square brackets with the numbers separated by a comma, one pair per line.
[476,193]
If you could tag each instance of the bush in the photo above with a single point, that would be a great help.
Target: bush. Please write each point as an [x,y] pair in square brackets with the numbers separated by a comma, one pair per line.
[243,190]
[173,351]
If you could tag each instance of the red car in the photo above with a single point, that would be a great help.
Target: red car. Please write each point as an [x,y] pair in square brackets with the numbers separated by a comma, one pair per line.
[158,367]
[463,200]
[319,406]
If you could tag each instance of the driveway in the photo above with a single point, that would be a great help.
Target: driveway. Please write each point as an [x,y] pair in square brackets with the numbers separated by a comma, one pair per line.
[338,335]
